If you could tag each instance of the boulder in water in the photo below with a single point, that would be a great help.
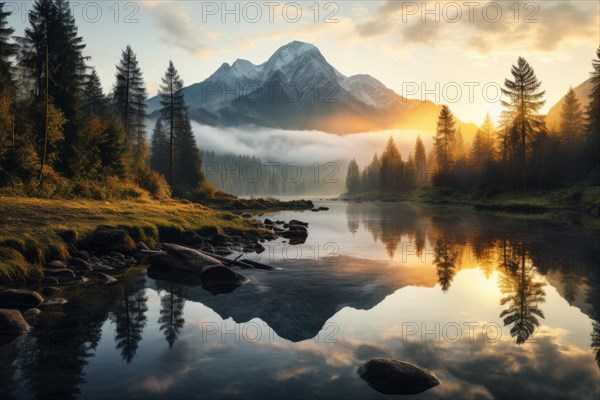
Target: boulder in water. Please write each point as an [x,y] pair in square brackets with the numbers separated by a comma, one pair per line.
[16,298]
[395,377]
[12,323]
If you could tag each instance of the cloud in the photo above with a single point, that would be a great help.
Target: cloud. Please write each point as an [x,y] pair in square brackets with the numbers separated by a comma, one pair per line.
[176,29]
[541,26]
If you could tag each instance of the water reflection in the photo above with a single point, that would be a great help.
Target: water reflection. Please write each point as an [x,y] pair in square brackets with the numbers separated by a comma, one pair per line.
[171,319]
[147,336]
[129,317]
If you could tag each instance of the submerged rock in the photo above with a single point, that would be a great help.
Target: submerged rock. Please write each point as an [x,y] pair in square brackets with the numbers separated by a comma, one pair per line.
[60,273]
[296,222]
[56,264]
[395,377]
[31,312]
[12,323]
[50,280]
[16,298]
[58,301]
[106,279]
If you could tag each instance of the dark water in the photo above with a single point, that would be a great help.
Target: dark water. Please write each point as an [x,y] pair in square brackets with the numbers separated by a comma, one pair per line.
[495,307]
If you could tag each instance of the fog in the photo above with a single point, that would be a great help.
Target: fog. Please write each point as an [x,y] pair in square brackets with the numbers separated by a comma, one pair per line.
[304,147]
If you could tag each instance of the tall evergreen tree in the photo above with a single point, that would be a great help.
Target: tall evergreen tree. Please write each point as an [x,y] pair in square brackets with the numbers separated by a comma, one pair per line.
[160,148]
[524,102]
[444,142]
[420,162]
[173,110]
[391,166]
[571,130]
[8,50]
[353,177]
[593,116]
[93,98]
[52,29]
[483,147]
[129,96]
[185,160]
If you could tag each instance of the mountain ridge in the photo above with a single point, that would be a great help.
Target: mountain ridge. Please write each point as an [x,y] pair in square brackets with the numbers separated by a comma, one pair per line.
[298,89]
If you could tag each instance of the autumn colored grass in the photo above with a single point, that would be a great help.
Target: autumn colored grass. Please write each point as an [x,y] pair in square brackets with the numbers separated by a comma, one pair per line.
[33,231]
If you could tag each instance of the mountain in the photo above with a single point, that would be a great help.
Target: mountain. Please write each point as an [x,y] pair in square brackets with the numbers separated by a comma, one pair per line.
[297,89]
[582,92]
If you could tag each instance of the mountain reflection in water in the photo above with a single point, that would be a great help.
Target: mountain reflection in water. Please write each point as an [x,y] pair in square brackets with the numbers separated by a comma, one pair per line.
[495,307]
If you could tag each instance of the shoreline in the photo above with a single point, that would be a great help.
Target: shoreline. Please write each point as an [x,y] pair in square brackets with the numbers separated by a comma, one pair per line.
[35,232]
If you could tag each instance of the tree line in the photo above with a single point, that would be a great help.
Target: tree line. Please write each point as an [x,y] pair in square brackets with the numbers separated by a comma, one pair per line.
[58,129]
[518,154]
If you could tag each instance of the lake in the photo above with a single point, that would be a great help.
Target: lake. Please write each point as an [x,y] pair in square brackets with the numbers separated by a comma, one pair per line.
[495,307]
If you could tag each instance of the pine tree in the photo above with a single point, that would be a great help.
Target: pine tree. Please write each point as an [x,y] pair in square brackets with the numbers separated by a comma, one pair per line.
[523,105]
[593,116]
[184,158]
[7,95]
[129,96]
[52,29]
[173,108]
[8,50]
[159,154]
[353,177]
[483,147]
[444,142]
[93,98]
[391,166]
[571,130]
[420,162]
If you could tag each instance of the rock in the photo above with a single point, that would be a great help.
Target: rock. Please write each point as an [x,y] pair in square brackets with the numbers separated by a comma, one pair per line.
[31,312]
[269,222]
[323,208]
[106,279]
[102,268]
[247,216]
[56,264]
[57,301]
[220,240]
[207,231]
[82,254]
[117,255]
[16,298]
[176,256]
[50,291]
[191,238]
[315,210]
[106,239]
[60,273]
[50,280]
[81,268]
[395,377]
[279,222]
[12,323]
[142,246]
[285,226]
[78,263]
[222,251]
[296,222]
[301,228]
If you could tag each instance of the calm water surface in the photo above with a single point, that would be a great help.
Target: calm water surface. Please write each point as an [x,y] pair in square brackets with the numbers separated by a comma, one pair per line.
[495,307]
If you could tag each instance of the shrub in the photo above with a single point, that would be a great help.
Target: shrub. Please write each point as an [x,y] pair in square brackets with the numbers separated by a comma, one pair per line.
[154,183]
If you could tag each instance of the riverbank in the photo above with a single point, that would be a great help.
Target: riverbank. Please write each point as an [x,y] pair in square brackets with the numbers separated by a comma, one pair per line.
[36,231]
[578,198]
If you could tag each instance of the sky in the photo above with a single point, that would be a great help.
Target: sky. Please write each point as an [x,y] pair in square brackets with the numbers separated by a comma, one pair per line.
[457,53]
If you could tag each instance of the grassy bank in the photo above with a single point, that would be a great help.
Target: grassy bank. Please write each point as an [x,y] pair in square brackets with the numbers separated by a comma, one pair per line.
[33,231]
[576,198]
